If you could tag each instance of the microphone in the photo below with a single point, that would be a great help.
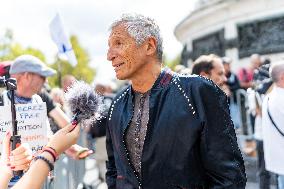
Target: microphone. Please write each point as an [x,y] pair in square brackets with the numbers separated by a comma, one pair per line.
[83,102]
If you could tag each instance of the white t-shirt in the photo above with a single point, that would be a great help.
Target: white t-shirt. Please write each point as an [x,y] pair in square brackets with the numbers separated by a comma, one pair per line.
[273,141]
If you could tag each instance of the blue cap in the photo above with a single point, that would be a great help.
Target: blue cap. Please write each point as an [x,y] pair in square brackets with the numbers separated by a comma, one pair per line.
[29,63]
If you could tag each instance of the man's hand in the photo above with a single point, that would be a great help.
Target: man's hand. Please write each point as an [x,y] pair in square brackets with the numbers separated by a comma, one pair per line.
[78,152]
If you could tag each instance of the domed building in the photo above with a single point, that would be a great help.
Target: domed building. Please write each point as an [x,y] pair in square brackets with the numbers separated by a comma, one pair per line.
[233,28]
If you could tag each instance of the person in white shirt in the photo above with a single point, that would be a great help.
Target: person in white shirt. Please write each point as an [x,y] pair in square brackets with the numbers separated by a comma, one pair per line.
[273,124]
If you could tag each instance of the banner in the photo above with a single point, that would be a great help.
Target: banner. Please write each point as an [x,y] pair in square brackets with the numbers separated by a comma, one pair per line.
[32,124]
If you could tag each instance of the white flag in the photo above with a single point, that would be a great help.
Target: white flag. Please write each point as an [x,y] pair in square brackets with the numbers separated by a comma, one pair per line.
[62,41]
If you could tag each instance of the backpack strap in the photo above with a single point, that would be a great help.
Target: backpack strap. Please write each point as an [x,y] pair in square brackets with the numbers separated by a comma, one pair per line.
[272,121]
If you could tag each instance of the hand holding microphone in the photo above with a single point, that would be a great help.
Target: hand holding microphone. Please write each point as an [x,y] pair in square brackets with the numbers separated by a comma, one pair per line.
[64,138]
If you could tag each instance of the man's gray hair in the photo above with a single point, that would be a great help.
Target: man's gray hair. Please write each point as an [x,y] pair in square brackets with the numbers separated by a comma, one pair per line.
[141,28]
[276,70]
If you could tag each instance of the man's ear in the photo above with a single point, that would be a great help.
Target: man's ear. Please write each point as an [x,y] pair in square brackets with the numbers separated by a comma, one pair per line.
[151,46]
[204,74]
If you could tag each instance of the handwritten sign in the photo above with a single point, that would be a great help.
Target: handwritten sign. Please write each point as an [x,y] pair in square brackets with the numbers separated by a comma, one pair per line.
[32,124]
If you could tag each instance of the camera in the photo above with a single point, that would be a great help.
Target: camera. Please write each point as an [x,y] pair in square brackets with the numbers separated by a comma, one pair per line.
[10,83]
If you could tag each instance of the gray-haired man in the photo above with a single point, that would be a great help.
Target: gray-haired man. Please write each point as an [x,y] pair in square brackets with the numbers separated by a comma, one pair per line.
[165,130]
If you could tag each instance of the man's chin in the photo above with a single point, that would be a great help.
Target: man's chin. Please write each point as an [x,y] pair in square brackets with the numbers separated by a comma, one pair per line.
[120,77]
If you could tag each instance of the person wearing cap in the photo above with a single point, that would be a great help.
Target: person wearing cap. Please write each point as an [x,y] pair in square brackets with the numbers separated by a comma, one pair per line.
[31,74]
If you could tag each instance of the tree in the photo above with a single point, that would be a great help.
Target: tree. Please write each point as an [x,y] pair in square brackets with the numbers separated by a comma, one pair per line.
[9,50]
[81,71]
[172,63]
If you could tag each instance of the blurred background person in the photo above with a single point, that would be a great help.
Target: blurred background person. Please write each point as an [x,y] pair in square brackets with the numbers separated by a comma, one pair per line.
[233,85]
[211,67]
[4,72]
[263,85]
[57,95]
[67,81]
[246,74]
[272,124]
[248,83]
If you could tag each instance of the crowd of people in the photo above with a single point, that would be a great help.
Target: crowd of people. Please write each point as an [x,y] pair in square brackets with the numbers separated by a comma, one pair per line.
[164,129]
[260,80]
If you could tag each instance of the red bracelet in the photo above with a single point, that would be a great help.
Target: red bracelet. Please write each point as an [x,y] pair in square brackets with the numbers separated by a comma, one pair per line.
[51,151]
[56,154]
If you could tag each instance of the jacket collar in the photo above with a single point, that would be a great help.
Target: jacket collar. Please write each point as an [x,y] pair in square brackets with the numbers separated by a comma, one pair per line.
[163,80]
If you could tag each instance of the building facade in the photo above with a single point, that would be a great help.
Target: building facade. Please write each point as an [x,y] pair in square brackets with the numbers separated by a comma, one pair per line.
[233,28]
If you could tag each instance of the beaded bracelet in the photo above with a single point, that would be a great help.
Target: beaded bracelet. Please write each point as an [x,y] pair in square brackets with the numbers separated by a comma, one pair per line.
[50,165]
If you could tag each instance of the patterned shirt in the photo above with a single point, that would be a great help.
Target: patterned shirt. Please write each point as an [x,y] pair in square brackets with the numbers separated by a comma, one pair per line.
[136,132]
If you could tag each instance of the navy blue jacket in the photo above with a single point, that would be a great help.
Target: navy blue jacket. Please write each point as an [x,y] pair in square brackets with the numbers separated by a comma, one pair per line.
[190,141]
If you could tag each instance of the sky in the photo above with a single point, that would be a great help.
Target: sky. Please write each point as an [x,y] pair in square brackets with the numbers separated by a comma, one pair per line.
[89,20]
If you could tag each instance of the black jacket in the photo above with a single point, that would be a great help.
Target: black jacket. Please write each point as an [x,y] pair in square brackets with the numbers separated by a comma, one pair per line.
[190,141]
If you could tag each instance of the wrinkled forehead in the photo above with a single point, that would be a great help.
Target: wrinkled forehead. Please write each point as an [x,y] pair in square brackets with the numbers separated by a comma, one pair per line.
[119,30]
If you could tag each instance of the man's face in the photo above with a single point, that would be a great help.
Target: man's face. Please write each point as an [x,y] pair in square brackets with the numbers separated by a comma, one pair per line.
[227,68]
[68,83]
[255,62]
[127,58]
[36,82]
[217,74]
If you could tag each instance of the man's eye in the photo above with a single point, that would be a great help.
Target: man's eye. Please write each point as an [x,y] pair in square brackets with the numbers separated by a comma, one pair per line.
[118,43]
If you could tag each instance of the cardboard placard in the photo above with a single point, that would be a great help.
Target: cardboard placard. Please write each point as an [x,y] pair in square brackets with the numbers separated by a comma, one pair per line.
[32,124]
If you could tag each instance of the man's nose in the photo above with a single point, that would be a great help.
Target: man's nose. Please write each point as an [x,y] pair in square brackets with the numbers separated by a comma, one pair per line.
[224,78]
[110,54]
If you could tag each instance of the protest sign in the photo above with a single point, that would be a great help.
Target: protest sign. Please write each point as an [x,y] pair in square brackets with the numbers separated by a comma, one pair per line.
[32,124]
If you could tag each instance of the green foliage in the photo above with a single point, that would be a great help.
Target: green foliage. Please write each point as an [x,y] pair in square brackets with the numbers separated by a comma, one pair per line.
[172,63]
[81,71]
[9,50]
